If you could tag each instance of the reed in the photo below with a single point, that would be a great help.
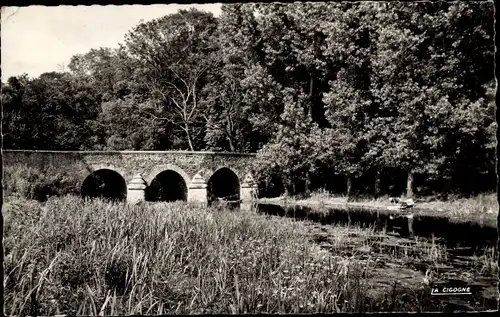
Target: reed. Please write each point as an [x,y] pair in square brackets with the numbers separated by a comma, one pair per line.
[92,257]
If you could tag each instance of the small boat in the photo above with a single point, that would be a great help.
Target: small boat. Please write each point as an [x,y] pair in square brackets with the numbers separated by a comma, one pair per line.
[400,203]
[395,208]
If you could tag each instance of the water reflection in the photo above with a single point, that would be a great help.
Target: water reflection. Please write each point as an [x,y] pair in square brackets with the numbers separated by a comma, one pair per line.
[403,260]
[453,234]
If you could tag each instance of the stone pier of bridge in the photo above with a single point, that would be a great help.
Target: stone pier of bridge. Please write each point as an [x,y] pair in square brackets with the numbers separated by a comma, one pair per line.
[197,192]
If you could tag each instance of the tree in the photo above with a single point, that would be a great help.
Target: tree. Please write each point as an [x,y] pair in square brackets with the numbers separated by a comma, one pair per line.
[293,151]
[50,112]
[108,70]
[174,54]
[355,89]
[227,114]
[124,128]
[291,37]
[422,80]
[402,91]
[15,121]
[259,95]
[349,103]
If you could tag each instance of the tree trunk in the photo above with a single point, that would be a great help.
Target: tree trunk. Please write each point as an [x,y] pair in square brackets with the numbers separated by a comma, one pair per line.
[349,187]
[446,189]
[287,191]
[377,184]
[231,144]
[229,134]
[409,185]
[311,80]
[410,227]
[188,135]
[287,185]
[310,86]
[307,184]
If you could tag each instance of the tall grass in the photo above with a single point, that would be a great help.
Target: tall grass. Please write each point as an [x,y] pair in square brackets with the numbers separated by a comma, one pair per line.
[462,207]
[487,262]
[74,256]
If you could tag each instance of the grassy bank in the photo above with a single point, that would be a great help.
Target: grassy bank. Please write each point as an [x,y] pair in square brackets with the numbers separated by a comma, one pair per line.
[483,206]
[70,256]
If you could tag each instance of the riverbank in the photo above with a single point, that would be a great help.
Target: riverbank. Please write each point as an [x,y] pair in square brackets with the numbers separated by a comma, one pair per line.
[92,257]
[479,209]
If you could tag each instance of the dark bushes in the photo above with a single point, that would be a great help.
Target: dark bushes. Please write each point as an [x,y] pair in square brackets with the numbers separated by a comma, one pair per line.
[35,183]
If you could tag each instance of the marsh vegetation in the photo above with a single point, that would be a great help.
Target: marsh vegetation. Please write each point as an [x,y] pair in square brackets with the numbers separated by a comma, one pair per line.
[70,255]
[481,208]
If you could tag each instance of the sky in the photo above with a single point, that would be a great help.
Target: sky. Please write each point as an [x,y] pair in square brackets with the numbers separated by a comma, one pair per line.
[38,39]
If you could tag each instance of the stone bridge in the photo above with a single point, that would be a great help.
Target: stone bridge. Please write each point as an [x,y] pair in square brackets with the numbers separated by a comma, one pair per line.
[195,177]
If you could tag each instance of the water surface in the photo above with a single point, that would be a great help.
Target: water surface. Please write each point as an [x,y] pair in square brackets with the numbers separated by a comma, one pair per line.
[463,247]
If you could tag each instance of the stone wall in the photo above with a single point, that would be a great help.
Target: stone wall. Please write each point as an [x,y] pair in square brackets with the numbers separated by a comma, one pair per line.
[128,164]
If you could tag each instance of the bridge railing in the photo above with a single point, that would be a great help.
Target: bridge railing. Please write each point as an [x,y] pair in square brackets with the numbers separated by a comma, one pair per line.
[130,152]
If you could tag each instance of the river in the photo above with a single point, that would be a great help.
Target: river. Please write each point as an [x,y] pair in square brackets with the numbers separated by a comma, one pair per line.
[408,251]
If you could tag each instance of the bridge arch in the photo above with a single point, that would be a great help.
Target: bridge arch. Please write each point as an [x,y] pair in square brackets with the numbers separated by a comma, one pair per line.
[104,182]
[223,183]
[167,182]
[207,173]
[95,167]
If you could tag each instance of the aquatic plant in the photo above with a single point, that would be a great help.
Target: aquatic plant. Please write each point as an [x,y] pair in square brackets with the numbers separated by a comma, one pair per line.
[90,257]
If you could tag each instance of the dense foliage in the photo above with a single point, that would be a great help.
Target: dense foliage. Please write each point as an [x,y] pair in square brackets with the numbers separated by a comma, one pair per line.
[364,90]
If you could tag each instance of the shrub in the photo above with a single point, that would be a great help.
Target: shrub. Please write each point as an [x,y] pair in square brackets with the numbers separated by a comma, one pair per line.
[38,183]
